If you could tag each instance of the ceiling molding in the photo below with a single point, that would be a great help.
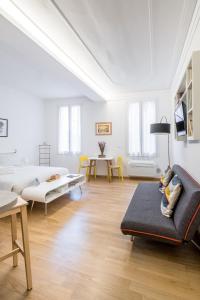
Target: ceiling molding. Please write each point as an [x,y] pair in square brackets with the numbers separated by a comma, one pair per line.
[186,51]
[98,88]
[150,35]
[139,95]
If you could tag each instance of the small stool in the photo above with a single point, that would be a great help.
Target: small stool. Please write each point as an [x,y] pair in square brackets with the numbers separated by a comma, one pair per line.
[12,210]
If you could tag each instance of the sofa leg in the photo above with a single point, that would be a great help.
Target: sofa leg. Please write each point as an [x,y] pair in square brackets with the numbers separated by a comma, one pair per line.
[196,245]
[132,238]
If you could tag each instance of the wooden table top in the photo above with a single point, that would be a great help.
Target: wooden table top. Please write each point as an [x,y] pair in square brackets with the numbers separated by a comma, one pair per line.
[15,207]
[101,158]
[7,198]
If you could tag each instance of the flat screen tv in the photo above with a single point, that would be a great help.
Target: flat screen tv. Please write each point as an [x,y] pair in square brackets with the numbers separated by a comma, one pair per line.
[180,119]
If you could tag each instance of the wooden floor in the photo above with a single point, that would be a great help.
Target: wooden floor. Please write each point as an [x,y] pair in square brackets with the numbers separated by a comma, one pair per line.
[78,252]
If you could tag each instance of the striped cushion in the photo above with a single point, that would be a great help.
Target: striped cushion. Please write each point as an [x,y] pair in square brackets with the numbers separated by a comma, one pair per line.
[171,196]
[164,180]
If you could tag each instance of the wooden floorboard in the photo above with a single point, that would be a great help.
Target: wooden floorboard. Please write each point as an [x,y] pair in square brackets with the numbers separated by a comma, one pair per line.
[79,253]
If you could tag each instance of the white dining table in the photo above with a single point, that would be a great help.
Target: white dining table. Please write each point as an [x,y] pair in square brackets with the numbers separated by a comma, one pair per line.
[94,159]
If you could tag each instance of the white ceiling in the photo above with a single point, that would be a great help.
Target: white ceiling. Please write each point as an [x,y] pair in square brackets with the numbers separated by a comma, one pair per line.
[137,42]
[120,46]
[26,66]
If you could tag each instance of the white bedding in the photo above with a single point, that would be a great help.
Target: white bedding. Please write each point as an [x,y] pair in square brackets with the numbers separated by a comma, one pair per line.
[25,176]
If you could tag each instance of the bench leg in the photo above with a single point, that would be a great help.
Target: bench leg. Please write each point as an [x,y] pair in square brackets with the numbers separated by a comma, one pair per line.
[45,209]
[81,190]
[132,238]
[32,205]
[14,238]
[25,239]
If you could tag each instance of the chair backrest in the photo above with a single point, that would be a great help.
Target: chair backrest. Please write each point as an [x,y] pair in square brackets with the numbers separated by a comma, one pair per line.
[83,159]
[187,212]
[120,161]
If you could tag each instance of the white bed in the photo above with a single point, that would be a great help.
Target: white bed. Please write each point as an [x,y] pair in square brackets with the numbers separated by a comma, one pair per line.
[17,178]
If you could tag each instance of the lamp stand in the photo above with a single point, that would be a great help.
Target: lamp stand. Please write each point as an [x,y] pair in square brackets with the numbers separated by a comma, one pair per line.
[162,128]
[168,152]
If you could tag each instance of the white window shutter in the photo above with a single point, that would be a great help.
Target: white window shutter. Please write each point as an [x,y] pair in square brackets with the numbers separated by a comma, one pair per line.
[141,142]
[134,129]
[75,129]
[63,143]
[148,117]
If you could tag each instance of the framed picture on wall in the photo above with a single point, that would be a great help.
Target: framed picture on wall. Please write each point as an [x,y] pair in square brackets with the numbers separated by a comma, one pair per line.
[3,127]
[103,128]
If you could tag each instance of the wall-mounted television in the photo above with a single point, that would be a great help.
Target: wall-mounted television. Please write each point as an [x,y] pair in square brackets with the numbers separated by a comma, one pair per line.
[181,119]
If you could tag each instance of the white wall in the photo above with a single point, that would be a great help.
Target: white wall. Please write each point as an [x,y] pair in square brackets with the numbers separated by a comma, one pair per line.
[111,111]
[187,153]
[25,124]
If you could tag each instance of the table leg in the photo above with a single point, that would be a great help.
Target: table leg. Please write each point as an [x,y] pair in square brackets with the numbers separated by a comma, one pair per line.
[111,170]
[90,169]
[95,169]
[14,237]
[108,168]
[24,225]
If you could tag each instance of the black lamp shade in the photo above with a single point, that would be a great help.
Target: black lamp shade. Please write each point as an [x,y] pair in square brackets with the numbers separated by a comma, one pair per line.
[160,128]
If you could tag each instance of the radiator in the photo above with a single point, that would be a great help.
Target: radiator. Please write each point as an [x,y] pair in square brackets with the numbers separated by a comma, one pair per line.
[142,168]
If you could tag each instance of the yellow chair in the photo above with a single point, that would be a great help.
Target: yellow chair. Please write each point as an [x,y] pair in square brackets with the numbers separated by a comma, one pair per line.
[118,167]
[85,164]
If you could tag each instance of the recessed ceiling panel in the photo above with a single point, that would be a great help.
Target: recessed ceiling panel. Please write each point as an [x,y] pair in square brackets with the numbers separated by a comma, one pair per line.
[137,43]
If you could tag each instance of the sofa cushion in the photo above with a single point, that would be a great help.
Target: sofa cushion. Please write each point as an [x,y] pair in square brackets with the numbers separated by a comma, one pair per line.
[187,213]
[143,216]
[171,196]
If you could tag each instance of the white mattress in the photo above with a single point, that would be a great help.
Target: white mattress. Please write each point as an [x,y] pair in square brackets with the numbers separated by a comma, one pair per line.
[22,177]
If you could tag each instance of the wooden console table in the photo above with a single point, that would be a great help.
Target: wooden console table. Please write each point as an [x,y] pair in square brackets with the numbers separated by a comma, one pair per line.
[93,160]
[13,210]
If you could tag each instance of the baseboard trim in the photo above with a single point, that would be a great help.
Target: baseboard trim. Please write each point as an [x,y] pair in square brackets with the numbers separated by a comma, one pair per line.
[130,177]
[143,178]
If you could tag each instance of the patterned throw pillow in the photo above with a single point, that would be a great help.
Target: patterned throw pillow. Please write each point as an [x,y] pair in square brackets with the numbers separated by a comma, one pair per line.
[164,181]
[171,196]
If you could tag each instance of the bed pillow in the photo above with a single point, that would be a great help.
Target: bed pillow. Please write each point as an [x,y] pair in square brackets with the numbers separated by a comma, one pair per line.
[164,180]
[7,170]
[171,196]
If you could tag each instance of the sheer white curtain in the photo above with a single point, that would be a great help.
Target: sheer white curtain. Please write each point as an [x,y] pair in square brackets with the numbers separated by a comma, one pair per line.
[141,142]
[63,142]
[148,117]
[69,129]
[134,129]
[75,129]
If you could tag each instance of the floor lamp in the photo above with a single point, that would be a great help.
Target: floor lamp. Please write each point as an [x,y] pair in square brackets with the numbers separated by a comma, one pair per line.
[161,129]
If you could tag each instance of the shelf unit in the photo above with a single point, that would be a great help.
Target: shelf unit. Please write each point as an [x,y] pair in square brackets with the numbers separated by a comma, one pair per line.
[44,155]
[189,93]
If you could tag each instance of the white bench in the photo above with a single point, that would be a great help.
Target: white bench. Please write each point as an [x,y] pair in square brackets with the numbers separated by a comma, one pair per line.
[48,191]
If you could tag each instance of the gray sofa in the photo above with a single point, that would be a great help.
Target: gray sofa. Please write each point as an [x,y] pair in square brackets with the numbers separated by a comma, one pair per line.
[143,216]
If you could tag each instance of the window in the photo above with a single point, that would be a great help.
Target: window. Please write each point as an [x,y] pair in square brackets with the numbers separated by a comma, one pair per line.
[69,129]
[141,115]
[75,129]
